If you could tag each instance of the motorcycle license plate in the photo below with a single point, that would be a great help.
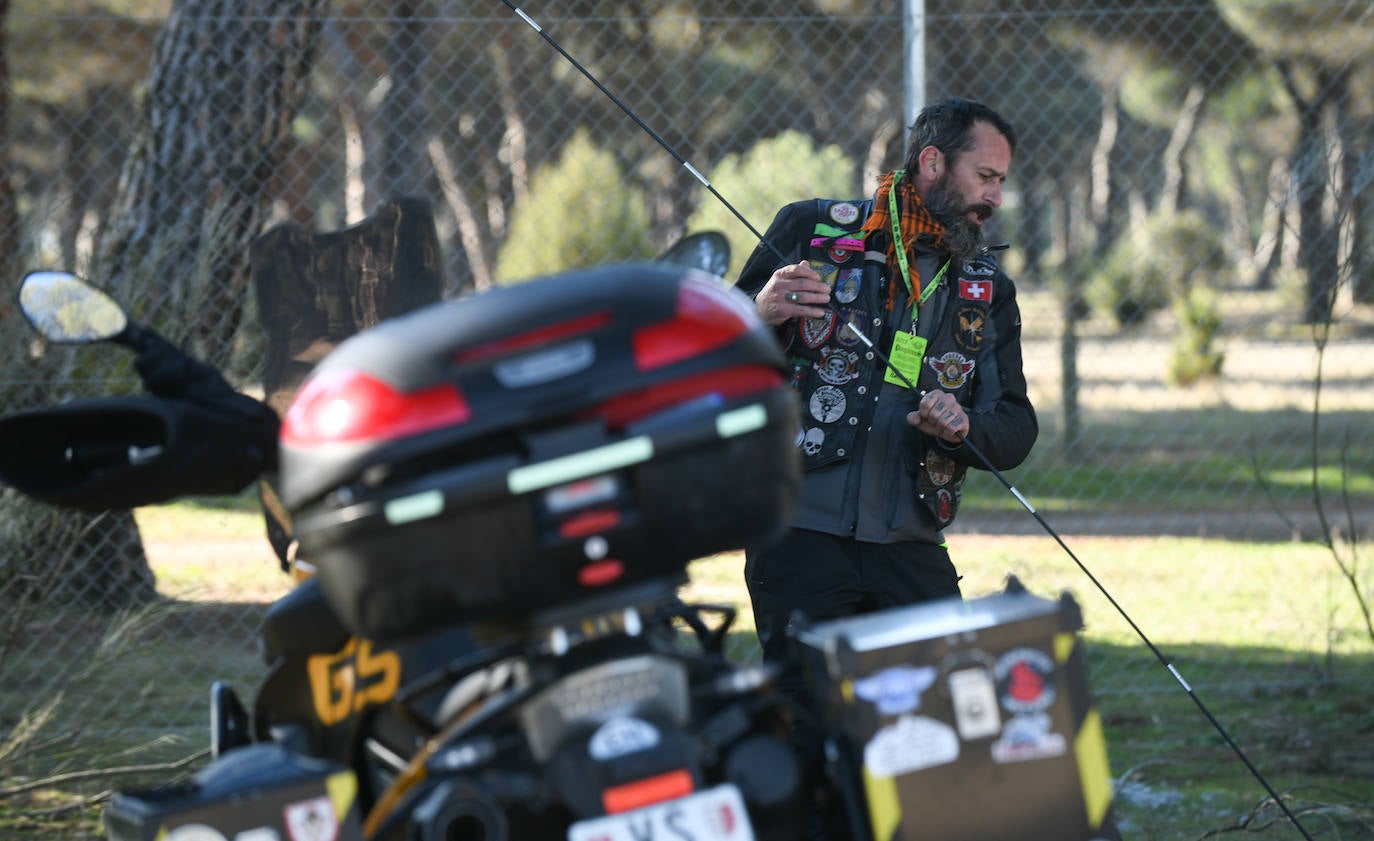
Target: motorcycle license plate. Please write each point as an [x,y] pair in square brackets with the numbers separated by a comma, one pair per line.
[716,814]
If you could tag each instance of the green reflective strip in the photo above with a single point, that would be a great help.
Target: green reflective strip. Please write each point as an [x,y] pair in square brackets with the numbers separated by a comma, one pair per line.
[556,471]
[742,420]
[408,509]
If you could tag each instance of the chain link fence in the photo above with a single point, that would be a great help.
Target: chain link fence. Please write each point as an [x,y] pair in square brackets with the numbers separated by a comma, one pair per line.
[1190,215]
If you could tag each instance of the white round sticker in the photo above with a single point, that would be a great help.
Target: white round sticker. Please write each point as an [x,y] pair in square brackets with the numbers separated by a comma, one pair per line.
[620,736]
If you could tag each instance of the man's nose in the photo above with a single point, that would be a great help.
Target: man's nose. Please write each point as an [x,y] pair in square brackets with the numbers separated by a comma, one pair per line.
[993,195]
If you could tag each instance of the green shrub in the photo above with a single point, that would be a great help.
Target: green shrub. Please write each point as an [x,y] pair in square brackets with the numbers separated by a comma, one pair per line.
[775,172]
[1155,264]
[1194,356]
[581,212]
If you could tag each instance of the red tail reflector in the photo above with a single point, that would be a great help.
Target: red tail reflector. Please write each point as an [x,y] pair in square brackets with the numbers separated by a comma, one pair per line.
[341,406]
[707,317]
[534,338]
[727,383]
[588,523]
[600,573]
[650,790]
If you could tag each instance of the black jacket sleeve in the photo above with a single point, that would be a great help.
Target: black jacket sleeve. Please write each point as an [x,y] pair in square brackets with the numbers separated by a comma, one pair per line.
[1002,422]
[786,234]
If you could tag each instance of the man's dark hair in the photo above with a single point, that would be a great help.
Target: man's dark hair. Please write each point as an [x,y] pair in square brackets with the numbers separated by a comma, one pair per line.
[948,126]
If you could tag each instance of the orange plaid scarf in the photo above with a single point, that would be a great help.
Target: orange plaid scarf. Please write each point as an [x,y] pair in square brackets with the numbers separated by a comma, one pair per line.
[918,226]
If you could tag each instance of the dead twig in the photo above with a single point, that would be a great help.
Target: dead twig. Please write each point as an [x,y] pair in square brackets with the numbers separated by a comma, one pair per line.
[101,773]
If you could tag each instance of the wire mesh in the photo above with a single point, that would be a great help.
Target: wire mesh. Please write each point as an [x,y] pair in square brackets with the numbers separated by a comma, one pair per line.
[1190,217]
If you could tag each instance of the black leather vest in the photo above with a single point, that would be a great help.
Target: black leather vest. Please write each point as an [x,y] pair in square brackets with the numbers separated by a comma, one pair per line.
[832,368]
[837,376]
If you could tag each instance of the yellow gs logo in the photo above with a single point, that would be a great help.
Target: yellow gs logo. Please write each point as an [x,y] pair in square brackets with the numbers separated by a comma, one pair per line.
[354,677]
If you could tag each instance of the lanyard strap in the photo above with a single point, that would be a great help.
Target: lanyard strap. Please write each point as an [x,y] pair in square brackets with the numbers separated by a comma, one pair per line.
[900,247]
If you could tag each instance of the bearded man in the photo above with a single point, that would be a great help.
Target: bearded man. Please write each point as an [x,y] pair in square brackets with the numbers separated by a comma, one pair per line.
[885,464]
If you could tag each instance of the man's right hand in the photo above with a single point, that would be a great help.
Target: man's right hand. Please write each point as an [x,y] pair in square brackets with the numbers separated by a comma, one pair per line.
[793,291]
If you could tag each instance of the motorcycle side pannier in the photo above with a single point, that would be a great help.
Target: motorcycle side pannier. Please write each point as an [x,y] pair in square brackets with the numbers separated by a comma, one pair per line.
[502,454]
[967,720]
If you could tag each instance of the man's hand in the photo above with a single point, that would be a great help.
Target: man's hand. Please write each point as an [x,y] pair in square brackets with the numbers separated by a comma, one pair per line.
[940,415]
[793,291]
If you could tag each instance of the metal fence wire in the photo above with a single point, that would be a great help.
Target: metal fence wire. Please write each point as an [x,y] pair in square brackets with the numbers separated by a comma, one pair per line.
[1190,217]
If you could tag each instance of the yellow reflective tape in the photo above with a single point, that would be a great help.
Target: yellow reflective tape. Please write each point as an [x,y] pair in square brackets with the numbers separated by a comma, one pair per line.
[1063,646]
[343,790]
[1094,770]
[884,812]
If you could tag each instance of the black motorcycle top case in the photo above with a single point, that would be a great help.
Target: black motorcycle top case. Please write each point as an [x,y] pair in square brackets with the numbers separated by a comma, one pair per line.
[487,458]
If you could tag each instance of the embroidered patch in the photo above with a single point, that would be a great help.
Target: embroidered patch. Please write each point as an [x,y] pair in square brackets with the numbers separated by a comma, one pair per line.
[975,290]
[838,366]
[844,212]
[940,468]
[979,269]
[827,404]
[812,441]
[843,249]
[854,320]
[825,270]
[814,331]
[951,368]
[971,319]
[944,507]
[847,284]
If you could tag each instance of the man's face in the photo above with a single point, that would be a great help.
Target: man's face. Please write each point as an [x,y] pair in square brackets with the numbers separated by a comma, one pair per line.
[965,195]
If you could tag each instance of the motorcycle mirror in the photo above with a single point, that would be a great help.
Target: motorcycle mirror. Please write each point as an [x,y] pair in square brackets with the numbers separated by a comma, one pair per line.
[65,309]
[705,250]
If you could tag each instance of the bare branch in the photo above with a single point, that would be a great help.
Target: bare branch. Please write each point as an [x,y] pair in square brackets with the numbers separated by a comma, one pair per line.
[103,773]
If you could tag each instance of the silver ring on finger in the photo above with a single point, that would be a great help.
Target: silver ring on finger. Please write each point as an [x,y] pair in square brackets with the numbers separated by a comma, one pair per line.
[793,297]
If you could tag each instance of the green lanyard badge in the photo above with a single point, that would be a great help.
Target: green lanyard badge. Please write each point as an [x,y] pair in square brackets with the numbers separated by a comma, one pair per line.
[908,349]
[900,248]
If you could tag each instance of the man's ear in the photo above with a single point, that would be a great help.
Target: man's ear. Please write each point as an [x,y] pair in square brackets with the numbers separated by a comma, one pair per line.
[932,160]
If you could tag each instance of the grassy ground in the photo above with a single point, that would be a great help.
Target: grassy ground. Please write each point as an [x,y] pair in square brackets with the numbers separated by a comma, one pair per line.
[1286,671]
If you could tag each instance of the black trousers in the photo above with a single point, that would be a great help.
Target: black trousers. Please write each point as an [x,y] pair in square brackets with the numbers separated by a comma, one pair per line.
[828,577]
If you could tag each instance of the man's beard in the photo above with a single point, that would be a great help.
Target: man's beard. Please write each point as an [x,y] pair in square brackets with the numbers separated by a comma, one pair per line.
[963,239]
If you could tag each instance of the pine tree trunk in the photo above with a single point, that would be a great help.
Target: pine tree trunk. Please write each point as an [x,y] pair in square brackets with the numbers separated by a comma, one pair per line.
[195,191]
[198,185]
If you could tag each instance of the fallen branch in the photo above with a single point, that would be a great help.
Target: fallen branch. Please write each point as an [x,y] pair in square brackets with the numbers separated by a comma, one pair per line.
[100,773]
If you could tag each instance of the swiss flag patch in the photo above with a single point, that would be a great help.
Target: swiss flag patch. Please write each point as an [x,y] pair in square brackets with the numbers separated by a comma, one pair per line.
[975,290]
